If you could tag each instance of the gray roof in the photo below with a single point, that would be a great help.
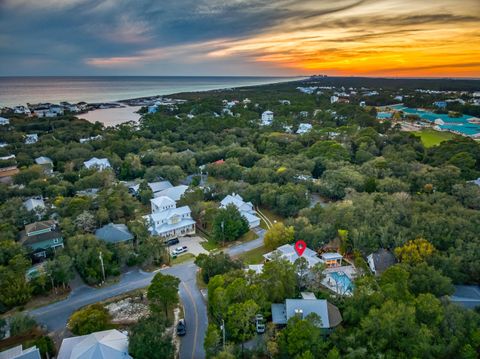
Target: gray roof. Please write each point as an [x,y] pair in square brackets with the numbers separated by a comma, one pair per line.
[467,296]
[174,193]
[114,233]
[383,259]
[42,160]
[19,353]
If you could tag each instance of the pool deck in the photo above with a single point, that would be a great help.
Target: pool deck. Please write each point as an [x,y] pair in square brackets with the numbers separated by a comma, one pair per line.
[329,281]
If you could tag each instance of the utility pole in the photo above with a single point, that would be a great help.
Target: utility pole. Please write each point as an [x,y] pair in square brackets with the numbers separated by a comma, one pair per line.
[223,333]
[223,232]
[103,268]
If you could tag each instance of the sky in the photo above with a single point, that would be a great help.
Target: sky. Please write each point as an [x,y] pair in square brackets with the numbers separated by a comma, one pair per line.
[395,38]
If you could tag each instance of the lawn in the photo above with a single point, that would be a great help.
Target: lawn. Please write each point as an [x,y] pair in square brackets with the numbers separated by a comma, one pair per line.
[182,258]
[255,256]
[432,138]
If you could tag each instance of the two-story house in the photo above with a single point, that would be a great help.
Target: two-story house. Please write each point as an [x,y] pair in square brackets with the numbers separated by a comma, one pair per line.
[41,236]
[168,221]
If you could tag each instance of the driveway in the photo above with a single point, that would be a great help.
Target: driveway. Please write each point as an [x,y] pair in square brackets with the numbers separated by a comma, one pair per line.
[55,315]
[193,243]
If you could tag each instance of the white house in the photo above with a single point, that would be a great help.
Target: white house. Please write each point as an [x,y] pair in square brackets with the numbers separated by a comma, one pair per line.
[21,110]
[284,102]
[19,353]
[245,208]
[98,163]
[46,163]
[288,252]
[168,221]
[4,121]
[31,138]
[267,118]
[108,344]
[156,187]
[304,128]
[333,99]
[36,204]
[362,104]
[174,193]
[93,138]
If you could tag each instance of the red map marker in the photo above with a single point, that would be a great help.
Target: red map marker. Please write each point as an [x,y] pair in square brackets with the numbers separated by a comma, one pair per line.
[300,247]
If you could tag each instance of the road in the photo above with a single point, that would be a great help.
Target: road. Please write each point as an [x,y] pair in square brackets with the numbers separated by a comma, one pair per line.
[55,315]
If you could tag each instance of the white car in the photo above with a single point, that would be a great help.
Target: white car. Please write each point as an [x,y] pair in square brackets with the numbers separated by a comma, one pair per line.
[179,250]
[259,324]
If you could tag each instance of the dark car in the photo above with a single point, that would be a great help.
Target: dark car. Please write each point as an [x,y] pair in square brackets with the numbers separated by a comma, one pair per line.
[181,328]
[172,242]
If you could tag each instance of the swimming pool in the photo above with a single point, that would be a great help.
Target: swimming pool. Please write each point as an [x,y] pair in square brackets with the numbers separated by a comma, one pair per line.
[343,281]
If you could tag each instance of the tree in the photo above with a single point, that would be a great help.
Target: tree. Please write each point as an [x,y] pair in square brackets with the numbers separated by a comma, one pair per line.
[229,224]
[61,269]
[278,280]
[21,324]
[427,279]
[145,193]
[315,277]
[150,339]
[415,251]
[301,269]
[163,293]
[278,235]
[301,335]
[85,222]
[212,341]
[241,321]
[14,288]
[93,318]
[216,263]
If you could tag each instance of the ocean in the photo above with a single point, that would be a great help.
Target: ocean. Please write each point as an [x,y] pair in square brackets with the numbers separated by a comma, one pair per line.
[22,90]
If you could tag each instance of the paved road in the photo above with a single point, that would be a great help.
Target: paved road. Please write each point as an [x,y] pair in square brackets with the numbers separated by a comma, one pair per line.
[55,315]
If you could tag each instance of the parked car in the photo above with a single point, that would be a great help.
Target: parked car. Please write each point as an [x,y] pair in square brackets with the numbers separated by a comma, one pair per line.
[259,324]
[181,328]
[172,241]
[179,250]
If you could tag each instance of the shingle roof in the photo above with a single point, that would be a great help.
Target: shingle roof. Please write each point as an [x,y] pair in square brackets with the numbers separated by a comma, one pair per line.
[114,233]
[383,259]
[38,226]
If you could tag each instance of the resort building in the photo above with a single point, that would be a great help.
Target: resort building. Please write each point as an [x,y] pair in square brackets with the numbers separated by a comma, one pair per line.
[108,344]
[245,208]
[329,314]
[114,233]
[380,260]
[97,163]
[41,236]
[168,221]
[267,118]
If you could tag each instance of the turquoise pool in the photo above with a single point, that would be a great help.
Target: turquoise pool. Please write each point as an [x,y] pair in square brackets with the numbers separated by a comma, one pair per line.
[342,281]
[459,124]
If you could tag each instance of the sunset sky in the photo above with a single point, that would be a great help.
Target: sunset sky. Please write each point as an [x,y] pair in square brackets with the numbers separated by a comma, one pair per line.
[401,38]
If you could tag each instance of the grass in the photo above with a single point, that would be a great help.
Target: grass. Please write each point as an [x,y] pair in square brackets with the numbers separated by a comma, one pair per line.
[182,258]
[255,256]
[272,216]
[200,283]
[432,138]
[210,245]
[249,236]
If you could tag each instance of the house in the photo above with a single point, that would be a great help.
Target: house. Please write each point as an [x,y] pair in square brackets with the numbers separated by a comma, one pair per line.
[98,163]
[380,260]
[21,110]
[46,163]
[288,252]
[19,353]
[245,208]
[332,259]
[329,314]
[156,187]
[31,138]
[304,128]
[398,98]
[334,99]
[362,104]
[92,138]
[41,236]
[108,344]
[4,121]
[284,102]
[34,204]
[114,233]
[267,118]
[303,114]
[168,221]
[174,193]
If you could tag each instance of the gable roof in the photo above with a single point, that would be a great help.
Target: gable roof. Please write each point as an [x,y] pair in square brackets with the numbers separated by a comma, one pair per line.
[42,160]
[307,306]
[32,203]
[175,193]
[39,226]
[114,233]
[162,201]
[108,344]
